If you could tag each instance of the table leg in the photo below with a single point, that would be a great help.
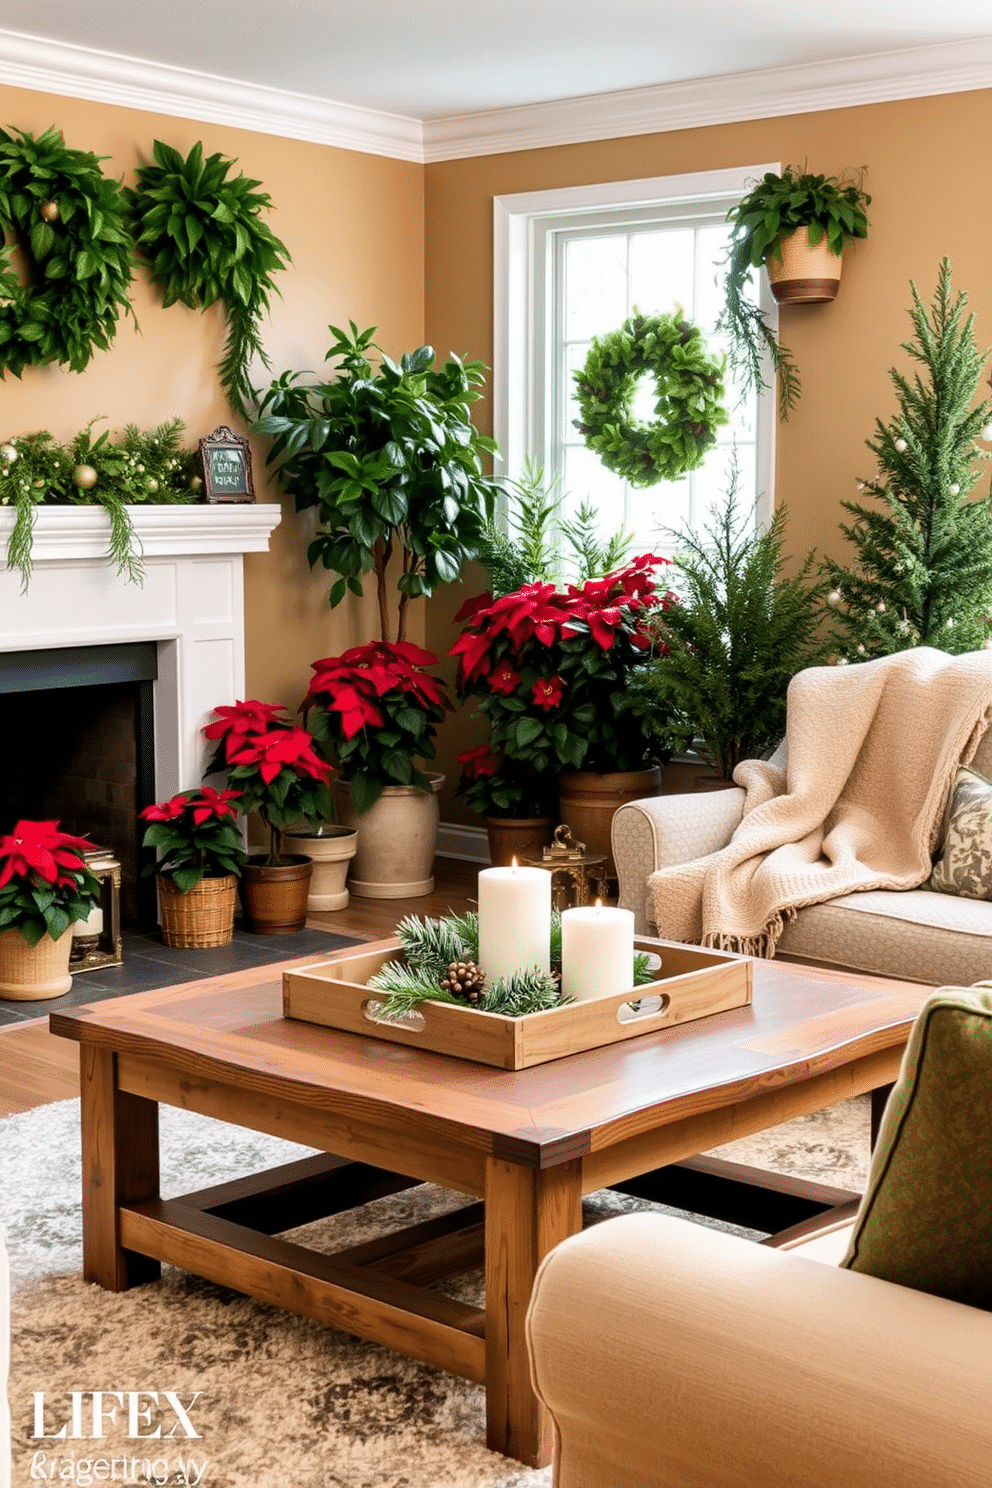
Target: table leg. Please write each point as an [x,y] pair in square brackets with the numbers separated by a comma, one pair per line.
[120,1166]
[528,1211]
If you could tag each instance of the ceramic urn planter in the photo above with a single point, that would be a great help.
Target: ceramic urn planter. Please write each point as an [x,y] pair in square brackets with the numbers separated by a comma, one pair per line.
[397,841]
[331,850]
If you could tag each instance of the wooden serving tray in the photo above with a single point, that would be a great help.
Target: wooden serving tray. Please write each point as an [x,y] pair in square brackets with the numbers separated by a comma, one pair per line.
[691,983]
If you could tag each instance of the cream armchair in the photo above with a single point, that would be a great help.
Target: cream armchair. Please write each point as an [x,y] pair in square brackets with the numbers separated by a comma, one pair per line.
[917,934]
[674,1356]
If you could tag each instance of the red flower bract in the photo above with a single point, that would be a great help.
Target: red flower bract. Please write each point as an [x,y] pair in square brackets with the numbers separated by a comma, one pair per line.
[547,692]
[348,684]
[39,847]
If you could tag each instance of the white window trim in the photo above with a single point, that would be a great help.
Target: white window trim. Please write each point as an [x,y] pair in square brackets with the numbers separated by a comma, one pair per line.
[516,295]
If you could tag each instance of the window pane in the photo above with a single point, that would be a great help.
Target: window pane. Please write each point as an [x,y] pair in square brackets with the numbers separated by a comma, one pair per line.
[595,286]
[712,247]
[586,478]
[662,271]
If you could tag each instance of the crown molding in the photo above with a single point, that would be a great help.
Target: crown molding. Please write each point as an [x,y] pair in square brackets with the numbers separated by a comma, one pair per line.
[104,77]
[133,82]
[918,72]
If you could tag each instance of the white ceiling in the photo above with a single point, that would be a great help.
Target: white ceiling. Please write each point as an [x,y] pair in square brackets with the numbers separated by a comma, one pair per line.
[432,59]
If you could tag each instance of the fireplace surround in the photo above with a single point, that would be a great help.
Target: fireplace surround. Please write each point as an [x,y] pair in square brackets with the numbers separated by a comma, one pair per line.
[190,606]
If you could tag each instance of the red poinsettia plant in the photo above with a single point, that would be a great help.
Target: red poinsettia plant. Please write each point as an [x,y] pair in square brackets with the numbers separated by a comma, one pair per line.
[197,834]
[553,670]
[45,884]
[272,764]
[375,709]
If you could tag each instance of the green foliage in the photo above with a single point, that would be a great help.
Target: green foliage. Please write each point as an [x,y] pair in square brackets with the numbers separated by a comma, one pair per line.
[924,552]
[831,207]
[80,262]
[530,550]
[144,467]
[431,945]
[391,460]
[192,849]
[689,406]
[201,232]
[741,631]
[34,906]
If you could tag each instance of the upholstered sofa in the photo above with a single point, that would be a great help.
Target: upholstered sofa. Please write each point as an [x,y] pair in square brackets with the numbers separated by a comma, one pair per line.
[4,1368]
[916,934]
[673,1356]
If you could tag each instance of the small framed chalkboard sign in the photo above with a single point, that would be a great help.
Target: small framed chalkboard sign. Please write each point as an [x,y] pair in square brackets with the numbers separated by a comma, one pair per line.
[225,464]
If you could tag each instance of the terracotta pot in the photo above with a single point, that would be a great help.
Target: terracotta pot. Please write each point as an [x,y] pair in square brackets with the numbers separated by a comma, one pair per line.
[808,274]
[397,841]
[202,918]
[275,899]
[517,837]
[587,801]
[331,850]
[34,973]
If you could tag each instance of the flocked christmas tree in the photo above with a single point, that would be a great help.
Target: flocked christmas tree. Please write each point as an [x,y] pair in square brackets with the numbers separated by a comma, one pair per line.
[924,553]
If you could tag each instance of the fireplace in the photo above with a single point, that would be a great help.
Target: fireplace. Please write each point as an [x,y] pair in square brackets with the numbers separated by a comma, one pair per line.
[140,668]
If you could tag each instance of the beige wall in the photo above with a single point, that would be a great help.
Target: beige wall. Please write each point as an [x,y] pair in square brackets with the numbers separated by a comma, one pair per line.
[354,225]
[927,173]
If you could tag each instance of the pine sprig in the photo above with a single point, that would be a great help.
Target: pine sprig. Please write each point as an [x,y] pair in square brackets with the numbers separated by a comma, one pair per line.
[529,991]
[431,945]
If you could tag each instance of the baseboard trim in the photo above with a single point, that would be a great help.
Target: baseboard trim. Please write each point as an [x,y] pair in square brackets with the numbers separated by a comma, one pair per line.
[468,844]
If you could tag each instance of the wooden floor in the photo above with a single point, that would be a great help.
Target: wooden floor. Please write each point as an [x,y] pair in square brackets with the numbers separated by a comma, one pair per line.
[36,1067]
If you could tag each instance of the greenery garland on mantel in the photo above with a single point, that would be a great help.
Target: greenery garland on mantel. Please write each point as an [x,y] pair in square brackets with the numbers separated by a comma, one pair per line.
[143,468]
[201,233]
[440,952]
[68,221]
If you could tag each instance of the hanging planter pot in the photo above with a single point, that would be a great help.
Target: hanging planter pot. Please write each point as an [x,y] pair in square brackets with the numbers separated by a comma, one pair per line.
[808,274]
[30,973]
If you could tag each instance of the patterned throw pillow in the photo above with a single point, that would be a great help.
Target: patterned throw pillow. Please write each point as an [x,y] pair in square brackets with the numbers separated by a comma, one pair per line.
[965,864]
[925,1220]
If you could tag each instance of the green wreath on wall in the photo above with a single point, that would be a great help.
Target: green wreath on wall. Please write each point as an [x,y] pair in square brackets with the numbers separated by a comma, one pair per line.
[68,220]
[201,233]
[689,405]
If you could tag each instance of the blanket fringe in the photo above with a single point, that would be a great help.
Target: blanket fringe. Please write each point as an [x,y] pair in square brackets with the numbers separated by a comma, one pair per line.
[762,945]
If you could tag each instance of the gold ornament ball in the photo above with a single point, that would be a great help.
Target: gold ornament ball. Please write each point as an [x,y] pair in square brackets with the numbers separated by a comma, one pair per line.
[8,454]
[152,484]
[954,489]
[834,597]
[901,445]
[196,484]
[84,476]
[49,211]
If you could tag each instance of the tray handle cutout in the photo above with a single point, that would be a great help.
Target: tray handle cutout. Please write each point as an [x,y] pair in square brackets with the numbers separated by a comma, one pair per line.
[412,1021]
[644,1007]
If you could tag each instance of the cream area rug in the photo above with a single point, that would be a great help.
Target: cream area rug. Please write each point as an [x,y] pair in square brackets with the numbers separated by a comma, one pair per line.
[274,1400]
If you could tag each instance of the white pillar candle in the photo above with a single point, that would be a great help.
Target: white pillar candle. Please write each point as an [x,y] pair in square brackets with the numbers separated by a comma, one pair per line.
[92,925]
[514,921]
[597,951]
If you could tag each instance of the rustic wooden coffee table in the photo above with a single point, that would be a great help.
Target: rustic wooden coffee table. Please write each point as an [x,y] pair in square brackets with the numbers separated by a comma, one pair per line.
[528,1143]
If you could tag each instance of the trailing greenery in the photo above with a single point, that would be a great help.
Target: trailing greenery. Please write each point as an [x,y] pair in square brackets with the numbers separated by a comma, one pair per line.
[391,460]
[741,630]
[430,946]
[689,406]
[149,466]
[69,220]
[831,207]
[530,550]
[923,575]
[200,231]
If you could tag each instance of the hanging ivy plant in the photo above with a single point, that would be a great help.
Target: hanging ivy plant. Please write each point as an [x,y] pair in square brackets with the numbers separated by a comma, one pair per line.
[203,238]
[68,220]
[144,467]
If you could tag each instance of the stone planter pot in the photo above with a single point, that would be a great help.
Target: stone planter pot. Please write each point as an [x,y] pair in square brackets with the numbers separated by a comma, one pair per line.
[809,273]
[34,973]
[397,841]
[275,899]
[331,850]
[587,801]
[517,837]
[200,919]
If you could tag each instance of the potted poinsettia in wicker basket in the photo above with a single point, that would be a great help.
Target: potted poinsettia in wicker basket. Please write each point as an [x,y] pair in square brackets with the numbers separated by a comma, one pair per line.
[375,709]
[45,886]
[272,763]
[202,856]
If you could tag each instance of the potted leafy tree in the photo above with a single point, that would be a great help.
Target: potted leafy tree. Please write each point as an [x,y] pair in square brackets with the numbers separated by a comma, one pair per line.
[272,764]
[375,710]
[725,654]
[45,886]
[201,859]
[797,225]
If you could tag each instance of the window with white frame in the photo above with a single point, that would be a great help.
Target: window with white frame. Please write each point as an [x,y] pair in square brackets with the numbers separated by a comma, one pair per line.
[573,264]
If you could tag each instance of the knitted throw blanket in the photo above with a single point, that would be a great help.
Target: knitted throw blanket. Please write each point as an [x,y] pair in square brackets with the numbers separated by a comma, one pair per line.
[872,753]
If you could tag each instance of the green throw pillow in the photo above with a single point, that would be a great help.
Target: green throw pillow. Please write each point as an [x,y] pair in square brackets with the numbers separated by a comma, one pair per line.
[965,865]
[926,1217]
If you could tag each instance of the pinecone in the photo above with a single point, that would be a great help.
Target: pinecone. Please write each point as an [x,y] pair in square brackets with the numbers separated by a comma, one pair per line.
[464,980]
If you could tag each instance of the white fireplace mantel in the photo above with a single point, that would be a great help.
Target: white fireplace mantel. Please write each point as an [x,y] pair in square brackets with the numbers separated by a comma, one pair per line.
[191,604]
